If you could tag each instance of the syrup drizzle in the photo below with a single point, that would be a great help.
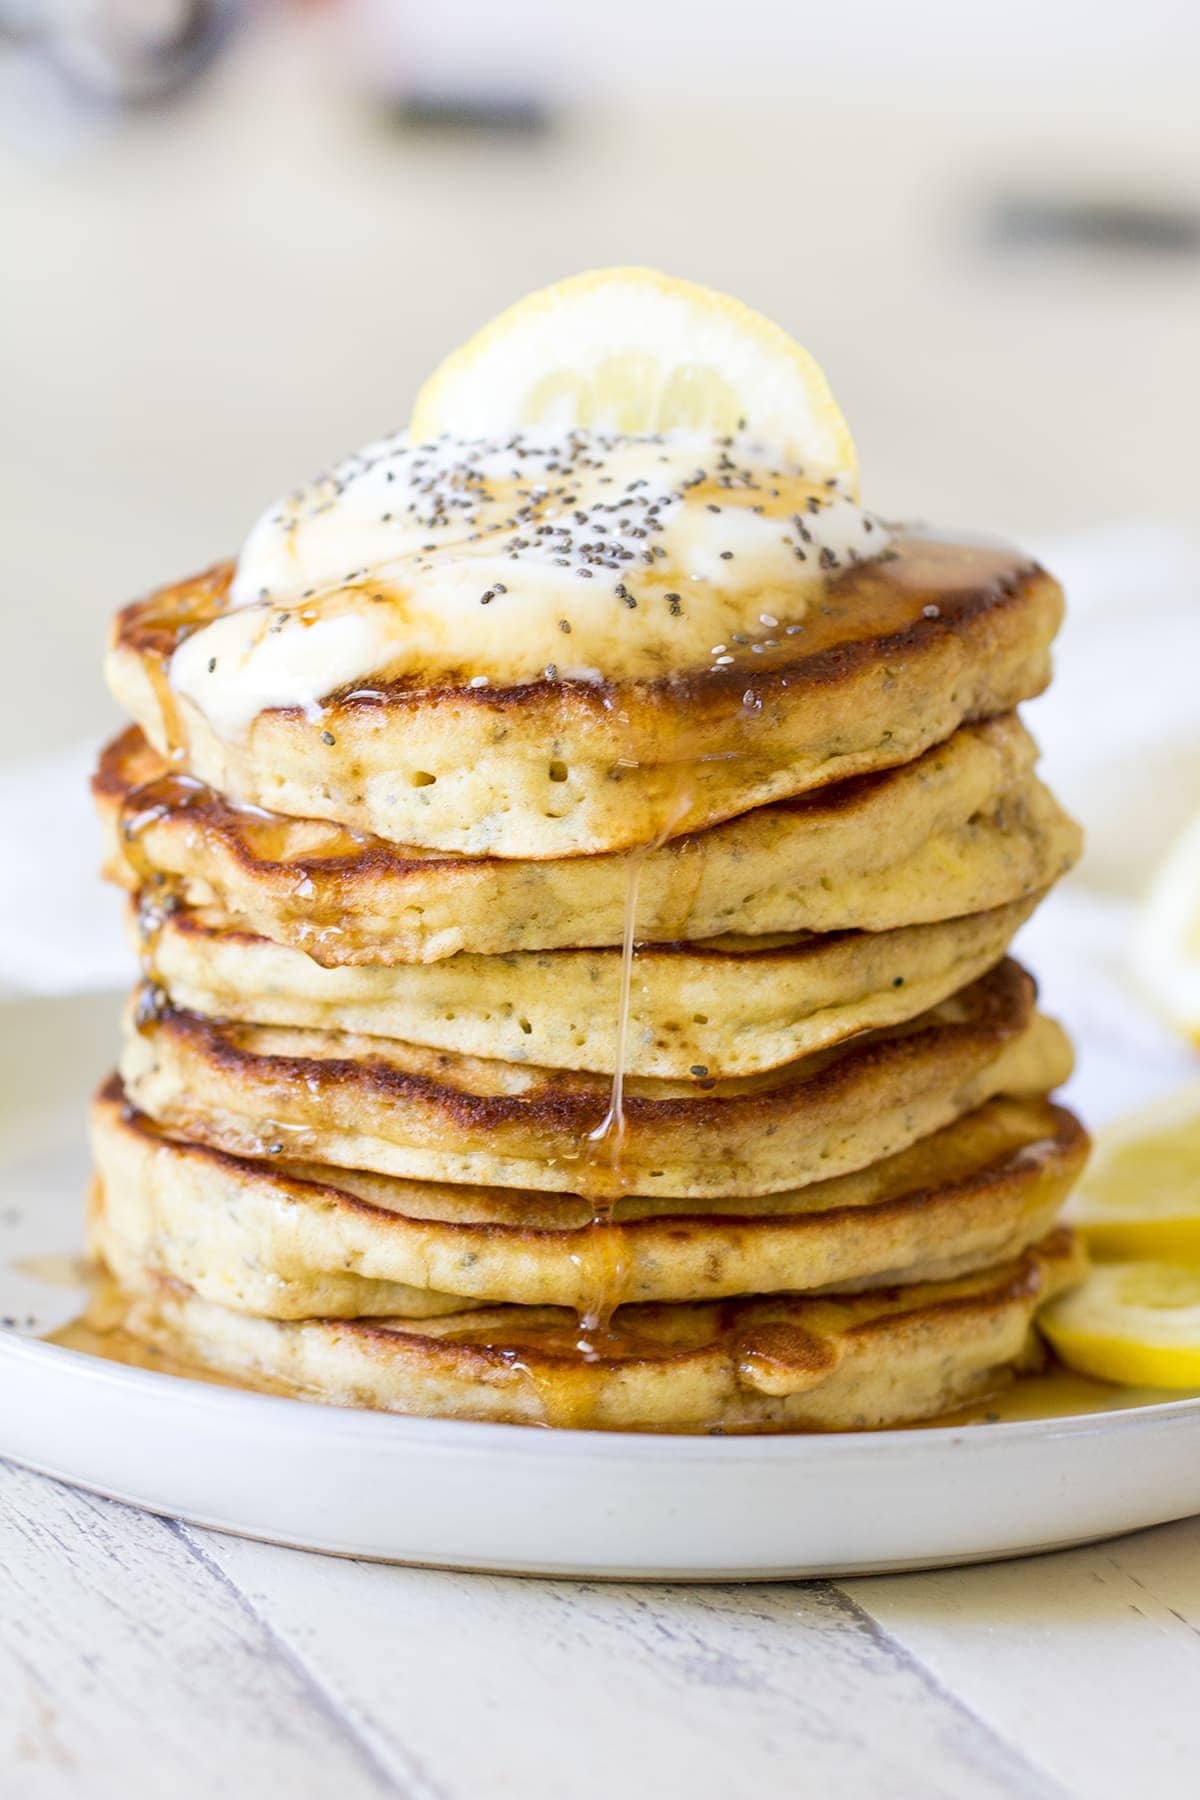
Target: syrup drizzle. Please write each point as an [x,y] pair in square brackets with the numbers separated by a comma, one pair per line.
[605,1146]
[158,894]
[606,1175]
[157,670]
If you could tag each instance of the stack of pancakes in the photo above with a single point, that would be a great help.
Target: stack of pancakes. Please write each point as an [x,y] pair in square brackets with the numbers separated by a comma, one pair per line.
[401,1123]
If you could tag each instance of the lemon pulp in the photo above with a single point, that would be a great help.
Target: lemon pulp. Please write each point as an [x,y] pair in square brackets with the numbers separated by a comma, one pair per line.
[632,350]
[1137,1323]
[1141,1194]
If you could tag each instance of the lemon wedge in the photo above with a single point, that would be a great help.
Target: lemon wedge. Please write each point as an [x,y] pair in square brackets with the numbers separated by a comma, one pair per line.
[1140,1195]
[1137,1323]
[630,350]
[1166,946]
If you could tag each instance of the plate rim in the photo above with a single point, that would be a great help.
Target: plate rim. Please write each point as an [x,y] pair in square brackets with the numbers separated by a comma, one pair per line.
[406,1430]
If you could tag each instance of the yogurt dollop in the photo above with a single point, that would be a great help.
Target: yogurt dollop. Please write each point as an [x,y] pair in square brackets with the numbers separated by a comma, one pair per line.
[582,555]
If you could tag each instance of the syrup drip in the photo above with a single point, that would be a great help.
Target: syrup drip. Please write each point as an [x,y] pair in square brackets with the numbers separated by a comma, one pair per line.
[603,1152]
[605,1147]
[605,1177]
[605,1173]
[158,894]
[174,737]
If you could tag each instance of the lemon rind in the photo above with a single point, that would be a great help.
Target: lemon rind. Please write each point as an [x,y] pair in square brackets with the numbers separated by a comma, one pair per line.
[837,453]
[1130,1342]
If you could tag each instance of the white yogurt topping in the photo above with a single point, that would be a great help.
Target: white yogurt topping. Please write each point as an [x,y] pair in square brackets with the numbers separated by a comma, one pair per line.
[582,556]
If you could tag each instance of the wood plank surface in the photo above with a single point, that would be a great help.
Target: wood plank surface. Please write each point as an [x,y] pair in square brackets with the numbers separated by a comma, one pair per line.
[130,1666]
[138,1657]
[491,1686]
[1088,1660]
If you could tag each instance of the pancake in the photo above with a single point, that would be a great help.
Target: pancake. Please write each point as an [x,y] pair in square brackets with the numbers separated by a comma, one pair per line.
[964,829]
[888,1357]
[400,1109]
[572,857]
[302,1241]
[901,651]
[729,1006]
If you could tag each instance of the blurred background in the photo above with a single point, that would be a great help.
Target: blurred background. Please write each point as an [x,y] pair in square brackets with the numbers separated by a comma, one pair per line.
[237,233]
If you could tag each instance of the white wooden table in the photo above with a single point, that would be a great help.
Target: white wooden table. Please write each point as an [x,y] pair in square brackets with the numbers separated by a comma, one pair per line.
[143,1658]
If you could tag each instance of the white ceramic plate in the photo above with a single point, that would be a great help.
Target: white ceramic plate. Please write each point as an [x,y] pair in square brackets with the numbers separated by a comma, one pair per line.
[501,1497]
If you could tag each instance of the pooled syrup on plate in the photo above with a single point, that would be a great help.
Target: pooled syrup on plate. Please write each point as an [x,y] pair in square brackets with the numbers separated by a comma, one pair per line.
[101,1330]
[1054,1392]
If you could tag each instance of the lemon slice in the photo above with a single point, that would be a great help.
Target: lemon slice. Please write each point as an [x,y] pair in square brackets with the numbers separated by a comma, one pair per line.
[1166,947]
[1133,1322]
[1140,1195]
[630,350]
